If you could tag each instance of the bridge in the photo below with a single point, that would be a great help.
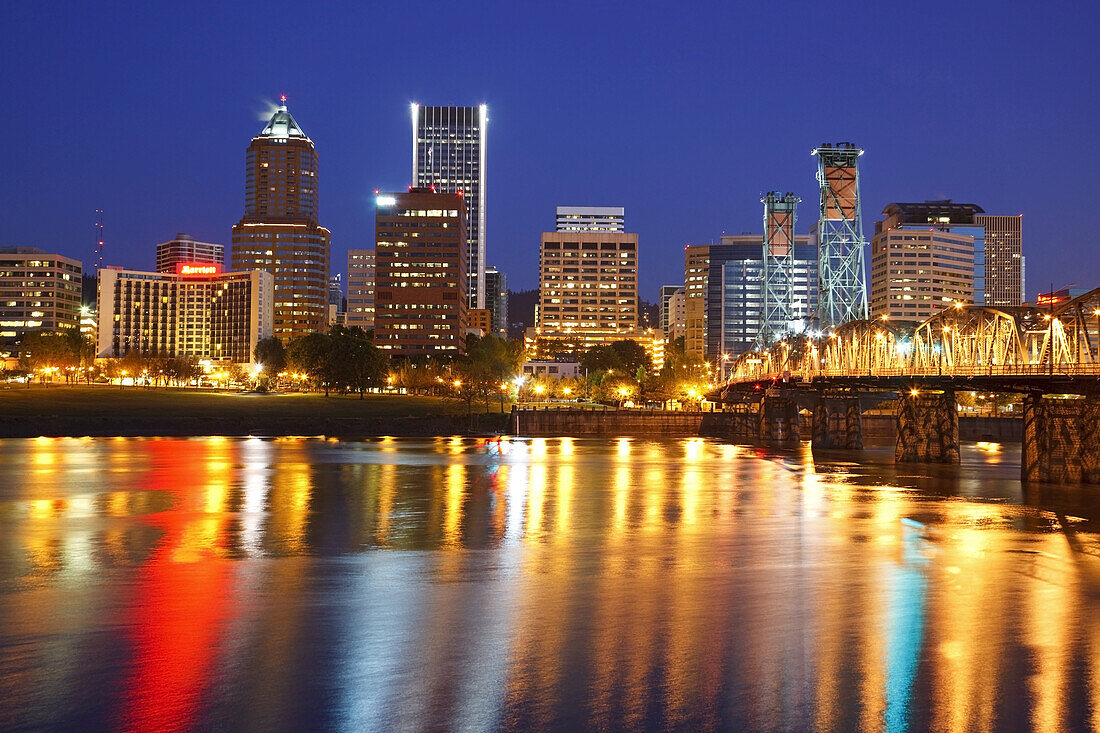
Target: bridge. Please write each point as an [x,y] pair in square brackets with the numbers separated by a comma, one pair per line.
[1051,356]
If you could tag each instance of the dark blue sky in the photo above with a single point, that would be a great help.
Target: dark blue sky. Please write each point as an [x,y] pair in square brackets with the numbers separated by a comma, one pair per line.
[684,115]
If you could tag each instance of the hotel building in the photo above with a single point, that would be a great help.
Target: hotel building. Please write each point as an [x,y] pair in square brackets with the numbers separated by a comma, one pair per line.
[421,287]
[198,312]
[184,249]
[449,154]
[360,288]
[37,291]
[279,232]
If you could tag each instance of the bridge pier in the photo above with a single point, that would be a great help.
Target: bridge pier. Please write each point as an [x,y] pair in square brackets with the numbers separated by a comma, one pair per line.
[837,423]
[779,421]
[743,421]
[928,428]
[1061,440]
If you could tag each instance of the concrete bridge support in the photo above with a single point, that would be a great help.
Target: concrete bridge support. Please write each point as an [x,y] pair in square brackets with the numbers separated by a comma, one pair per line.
[928,428]
[779,421]
[742,421]
[1061,440]
[837,423]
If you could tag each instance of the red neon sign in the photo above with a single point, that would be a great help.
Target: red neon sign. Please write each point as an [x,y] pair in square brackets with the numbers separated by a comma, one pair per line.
[191,268]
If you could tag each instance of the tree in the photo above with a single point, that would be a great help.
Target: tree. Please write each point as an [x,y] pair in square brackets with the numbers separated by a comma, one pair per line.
[353,362]
[40,351]
[309,355]
[271,354]
[632,356]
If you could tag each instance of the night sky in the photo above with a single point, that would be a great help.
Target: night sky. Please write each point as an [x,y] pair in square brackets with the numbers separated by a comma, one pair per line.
[684,115]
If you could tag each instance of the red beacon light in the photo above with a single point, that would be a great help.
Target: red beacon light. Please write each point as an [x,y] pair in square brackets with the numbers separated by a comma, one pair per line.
[282,98]
[433,188]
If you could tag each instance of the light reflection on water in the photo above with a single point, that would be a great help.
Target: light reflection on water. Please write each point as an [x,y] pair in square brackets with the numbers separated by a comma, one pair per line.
[560,582]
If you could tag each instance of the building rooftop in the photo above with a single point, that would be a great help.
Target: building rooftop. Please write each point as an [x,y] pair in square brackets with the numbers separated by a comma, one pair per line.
[22,251]
[942,211]
[282,124]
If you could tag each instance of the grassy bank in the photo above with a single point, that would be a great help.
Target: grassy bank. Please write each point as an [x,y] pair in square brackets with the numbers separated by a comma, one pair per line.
[103,410]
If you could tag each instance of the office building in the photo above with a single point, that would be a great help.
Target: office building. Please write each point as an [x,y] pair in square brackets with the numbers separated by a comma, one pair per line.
[197,312]
[480,321]
[336,301]
[590,219]
[919,266]
[677,316]
[1004,259]
[449,153]
[496,300]
[279,232]
[735,292]
[360,311]
[724,293]
[664,299]
[37,291]
[588,283]
[184,248]
[998,244]
[421,287]
[588,294]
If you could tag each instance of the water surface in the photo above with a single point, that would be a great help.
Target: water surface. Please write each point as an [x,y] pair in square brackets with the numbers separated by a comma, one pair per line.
[542,583]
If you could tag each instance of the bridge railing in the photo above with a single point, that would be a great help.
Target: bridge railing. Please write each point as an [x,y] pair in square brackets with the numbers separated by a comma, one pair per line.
[964,370]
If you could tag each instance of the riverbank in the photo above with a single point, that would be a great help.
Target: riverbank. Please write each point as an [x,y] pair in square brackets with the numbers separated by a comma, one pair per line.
[60,411]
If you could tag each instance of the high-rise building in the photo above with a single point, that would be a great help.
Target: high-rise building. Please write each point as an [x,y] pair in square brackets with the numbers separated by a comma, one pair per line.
[37,291]
[588,283]
[360,288]
[590,219]
[279,232]
[496,300]
[677,316]
[918,265]
[735,292]
[336,301]
[197,311]
[420,293]
[1004,259]
[449,154]
[663,301]
[184,248]
[588,294]
[696,275]
[724,293]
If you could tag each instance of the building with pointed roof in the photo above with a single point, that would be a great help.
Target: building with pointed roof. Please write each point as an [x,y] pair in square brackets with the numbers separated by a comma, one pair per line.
[279,232]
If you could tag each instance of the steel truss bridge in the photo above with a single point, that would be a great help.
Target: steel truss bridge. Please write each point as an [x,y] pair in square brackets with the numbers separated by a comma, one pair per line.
[1052,356]
[1019,349]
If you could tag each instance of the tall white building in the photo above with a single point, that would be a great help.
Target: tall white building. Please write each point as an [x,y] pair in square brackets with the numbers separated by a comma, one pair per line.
[449,154]
[591,219]
[185,250]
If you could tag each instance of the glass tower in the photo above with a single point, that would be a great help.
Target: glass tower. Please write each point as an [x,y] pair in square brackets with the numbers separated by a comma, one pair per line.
[449,154]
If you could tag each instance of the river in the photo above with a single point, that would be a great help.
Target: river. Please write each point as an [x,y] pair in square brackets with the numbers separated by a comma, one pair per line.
[519,584]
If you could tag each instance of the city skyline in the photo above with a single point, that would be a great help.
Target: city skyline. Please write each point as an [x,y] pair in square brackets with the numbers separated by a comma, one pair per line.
[1026,150]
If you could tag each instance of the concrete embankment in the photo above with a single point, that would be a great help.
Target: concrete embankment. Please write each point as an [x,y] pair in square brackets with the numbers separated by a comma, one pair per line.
[656,423]
[348,427]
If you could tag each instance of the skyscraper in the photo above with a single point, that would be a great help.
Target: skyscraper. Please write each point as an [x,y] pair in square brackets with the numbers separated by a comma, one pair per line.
[420,278]
[279,232]
[361,288]
[184,249]
[449,154]
[496,300]
[1004,259]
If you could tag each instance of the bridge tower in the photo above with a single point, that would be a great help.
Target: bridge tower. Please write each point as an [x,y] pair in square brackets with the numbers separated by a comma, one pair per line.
[842,284]
[778,302]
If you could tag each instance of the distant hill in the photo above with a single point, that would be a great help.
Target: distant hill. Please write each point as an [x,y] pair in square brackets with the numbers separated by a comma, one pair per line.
[521,311]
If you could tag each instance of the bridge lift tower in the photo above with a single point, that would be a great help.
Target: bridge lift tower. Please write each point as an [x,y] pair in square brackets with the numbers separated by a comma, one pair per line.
[778,301]
[842,285]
